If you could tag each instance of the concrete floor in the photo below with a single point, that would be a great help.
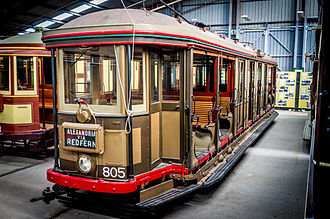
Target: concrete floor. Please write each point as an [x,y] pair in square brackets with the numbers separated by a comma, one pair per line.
[268,182]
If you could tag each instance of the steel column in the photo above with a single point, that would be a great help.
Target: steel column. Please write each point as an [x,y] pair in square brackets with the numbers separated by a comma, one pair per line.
[266,44]
[230,19]
[238,9]
[296,36]
[304,37]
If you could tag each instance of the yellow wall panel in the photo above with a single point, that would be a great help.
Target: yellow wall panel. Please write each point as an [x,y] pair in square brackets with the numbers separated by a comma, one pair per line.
[306,79]
[286,89]
[16,114]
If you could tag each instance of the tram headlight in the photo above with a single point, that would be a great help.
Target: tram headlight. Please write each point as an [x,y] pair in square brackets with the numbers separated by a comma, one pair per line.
[85,163]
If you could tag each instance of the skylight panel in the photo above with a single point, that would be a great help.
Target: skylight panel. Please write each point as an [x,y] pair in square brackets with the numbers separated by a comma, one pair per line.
[62,16]
[45,24]
[30,30]
[97,2]
[81,8]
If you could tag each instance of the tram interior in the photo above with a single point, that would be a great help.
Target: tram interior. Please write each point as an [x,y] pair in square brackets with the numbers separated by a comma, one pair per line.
[204,103]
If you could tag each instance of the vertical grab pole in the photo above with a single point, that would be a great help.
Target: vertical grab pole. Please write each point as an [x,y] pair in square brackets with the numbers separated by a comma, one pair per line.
[129,99]
[54,109]
[43,92]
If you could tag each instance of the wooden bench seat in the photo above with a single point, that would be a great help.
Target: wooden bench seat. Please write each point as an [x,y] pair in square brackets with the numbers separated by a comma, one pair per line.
[202,106]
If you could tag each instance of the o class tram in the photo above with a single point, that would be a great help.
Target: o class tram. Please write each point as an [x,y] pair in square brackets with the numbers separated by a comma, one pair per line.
[152,106]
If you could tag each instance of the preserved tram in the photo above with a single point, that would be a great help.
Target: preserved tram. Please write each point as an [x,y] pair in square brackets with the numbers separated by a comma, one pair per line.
[25,93]
[147,103]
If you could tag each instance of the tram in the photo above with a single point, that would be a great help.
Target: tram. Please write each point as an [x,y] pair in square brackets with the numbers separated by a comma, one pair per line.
[25,94]
[147,103]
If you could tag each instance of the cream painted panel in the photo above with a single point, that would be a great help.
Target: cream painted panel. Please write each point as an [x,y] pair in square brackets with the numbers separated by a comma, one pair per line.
[115,148]
[136,145]
[16,114]
[171,134]
[154,136]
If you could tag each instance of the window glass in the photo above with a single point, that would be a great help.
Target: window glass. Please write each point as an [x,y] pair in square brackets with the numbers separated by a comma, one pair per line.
[203,73]
[48,70]
[137,77]
[154,78]
[25,73]
[224,75]
[171,77]
[4,73]
[90,73]
[199,77]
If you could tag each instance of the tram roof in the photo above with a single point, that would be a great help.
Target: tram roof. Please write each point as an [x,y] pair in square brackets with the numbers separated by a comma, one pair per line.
[28,44]
[158,26]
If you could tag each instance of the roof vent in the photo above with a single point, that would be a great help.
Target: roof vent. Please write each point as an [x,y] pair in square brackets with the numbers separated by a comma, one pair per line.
[195,22]
[260,53]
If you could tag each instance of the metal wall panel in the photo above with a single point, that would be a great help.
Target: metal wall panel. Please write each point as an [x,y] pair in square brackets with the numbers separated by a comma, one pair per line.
[312,8]
[278,16]
[268,11]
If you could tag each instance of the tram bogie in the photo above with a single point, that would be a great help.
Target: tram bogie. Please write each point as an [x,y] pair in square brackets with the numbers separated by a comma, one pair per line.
[145,107]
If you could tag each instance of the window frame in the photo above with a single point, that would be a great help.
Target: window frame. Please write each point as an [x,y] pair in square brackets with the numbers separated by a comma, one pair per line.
[8,92]
[72,108]
[35,85]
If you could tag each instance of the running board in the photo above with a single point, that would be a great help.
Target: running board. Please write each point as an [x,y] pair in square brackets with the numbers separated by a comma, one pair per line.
[224,169]
[216,177]
[168,197]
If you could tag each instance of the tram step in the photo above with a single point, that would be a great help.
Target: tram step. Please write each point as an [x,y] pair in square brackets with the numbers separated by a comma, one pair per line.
[167,197]
[223,170]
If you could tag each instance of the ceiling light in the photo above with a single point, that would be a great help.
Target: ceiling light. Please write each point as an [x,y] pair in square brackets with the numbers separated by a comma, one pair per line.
[97,2]
[45,24]
[30,30]
[81,8]
[21,33]
[62,16]
[245,17]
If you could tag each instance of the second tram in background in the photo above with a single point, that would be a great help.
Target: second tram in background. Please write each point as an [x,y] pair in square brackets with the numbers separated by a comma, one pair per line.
[26,106]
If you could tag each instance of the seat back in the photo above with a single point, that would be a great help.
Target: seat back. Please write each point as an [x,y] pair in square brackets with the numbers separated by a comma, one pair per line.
[202,106]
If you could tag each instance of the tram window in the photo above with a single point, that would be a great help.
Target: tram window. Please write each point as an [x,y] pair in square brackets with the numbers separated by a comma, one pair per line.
[203,73]
[154,78]
[25,73]
[259,72]
[171,77]
[199,77]
[47,70]
[137,77]
[224,75]
[4,73]
[91,74]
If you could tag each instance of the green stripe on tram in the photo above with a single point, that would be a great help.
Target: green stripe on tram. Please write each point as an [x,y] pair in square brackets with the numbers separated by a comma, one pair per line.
[146,35]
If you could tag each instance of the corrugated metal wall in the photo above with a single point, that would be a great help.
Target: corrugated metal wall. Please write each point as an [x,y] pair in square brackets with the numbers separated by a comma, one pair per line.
[273,22]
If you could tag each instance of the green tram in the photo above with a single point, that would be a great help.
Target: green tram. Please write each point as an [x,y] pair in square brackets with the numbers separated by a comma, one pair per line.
[147,103]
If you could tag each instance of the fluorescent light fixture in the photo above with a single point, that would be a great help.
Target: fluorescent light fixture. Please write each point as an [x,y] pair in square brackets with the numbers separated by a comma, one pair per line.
[245,17]
[30,30]
[45,24]
[97,2]
[300,12]
[81,8]
[21,33]
[62,16]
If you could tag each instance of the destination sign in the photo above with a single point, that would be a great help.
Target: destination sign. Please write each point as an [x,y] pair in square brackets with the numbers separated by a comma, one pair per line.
[80,138]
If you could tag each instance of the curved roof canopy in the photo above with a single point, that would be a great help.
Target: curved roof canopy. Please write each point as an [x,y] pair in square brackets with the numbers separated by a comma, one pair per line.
[120,26]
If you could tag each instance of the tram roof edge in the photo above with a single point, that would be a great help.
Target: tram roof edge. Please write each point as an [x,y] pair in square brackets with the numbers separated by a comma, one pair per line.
[159,27]
[33,38]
